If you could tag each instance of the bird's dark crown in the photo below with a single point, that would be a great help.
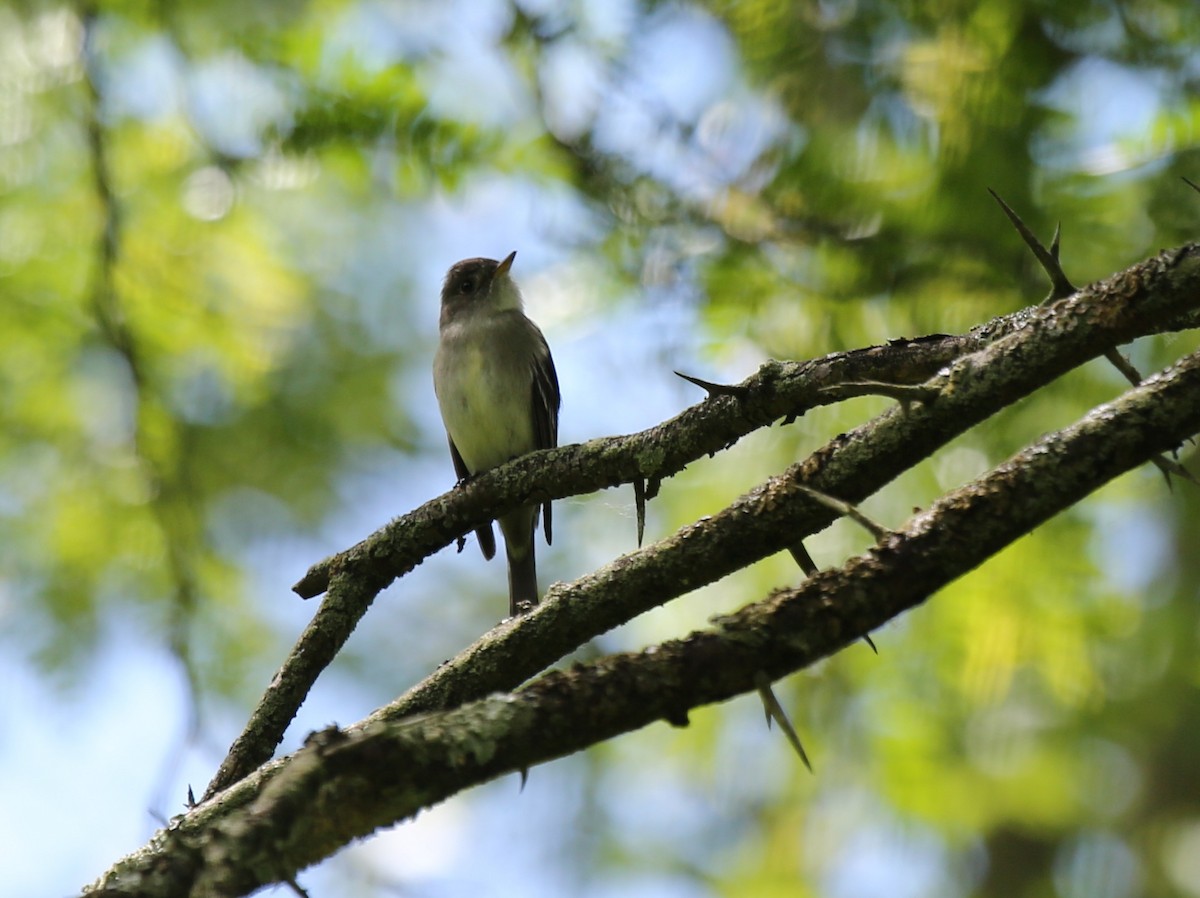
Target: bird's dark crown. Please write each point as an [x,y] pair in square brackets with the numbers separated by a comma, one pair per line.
[469,277]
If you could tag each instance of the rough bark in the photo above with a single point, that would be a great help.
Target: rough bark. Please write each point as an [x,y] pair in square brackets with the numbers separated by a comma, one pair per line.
[345,784]
[268,823]
[999,362]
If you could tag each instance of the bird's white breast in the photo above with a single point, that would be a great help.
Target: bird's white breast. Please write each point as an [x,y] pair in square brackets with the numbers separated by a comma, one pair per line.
[485,396]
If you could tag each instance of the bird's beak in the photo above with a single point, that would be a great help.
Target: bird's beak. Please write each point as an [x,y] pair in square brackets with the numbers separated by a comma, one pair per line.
[503,267]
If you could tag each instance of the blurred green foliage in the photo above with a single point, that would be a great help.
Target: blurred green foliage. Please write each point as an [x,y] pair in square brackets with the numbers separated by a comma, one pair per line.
[208,322]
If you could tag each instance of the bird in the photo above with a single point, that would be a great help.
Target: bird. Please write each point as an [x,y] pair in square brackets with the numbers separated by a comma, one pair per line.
[498,394]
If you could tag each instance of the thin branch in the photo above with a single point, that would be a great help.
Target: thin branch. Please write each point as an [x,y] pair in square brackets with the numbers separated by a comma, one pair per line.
[847,509]
[316,648]
[1122,364]
[103,296]
[905,394]
[112,323]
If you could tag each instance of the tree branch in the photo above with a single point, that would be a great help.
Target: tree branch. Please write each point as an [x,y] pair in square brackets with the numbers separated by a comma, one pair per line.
[345,785]
[1027,350]
[113,325]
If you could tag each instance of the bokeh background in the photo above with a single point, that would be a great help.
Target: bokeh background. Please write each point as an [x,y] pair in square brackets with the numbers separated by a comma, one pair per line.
[223,228]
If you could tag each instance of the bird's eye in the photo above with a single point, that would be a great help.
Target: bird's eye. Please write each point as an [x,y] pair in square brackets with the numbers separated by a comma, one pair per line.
[467,286]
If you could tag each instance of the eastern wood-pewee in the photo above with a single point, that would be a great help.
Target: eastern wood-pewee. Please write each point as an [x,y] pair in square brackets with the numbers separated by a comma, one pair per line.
[498,394]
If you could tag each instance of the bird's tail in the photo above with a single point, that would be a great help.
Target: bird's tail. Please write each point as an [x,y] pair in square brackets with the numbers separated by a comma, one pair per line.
[522,581]
[522,565]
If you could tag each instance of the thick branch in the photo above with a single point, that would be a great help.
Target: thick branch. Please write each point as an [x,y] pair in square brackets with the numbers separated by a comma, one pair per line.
[345,785]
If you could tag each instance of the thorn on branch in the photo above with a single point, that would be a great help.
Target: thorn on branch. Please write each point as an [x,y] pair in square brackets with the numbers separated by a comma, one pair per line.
[905,394]
[877,530]
[802,558]
[295,886]
[639,501]
[713,389]
[652,487]
[1164,464]
[1060,285]
[1169,467]
[1192,184]
[678,718]
[774,711]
